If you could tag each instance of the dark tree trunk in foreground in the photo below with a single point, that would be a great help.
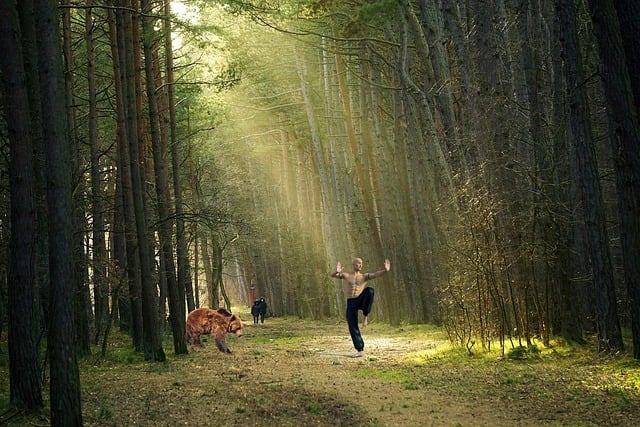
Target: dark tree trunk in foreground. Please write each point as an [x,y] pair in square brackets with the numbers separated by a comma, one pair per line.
[30,58]
[609,333]
[625,139]
[65,377]
[628,12]
[24,372]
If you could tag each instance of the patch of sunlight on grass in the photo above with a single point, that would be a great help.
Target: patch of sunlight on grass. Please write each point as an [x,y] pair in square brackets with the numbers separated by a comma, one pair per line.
[446,351]
[410,330]
[619,377]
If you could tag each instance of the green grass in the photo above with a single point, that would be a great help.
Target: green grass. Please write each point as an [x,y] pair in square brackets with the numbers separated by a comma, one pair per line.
[388,375]
[277,340]
[314,408]
[572,376]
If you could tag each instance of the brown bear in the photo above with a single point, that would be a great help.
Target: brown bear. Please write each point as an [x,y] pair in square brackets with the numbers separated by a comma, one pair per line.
[205,321]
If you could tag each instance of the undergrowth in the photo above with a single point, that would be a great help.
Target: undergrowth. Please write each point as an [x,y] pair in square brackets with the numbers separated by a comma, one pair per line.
[565,374]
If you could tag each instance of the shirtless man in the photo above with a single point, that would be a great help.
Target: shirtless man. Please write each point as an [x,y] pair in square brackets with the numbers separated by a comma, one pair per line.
[359,297]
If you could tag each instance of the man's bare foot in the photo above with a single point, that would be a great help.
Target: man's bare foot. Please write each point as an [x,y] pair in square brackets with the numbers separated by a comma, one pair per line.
[358,354]
[365,321]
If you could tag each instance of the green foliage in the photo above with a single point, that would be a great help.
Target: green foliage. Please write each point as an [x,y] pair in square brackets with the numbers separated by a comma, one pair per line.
[228,77]
[378,12]
[314,408]
[522,352]
[373,16]
[105,414]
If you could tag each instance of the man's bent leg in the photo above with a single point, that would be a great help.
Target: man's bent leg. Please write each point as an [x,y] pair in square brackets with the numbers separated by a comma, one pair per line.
[366,302]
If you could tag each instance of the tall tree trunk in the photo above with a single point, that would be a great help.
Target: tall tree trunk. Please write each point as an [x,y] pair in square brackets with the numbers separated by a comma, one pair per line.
[30,58]
[119,45]
[176,293]
[326,191]
[99,250]
[152,340]
[196,267]
[531,48]
[212,290]
[625,140]
[182,250]
[566,320]
[609,333]
[366,193]
[83,298]
[24,370]
[433,24]
[65,377]
[120,300]
[628,12]
[217,274]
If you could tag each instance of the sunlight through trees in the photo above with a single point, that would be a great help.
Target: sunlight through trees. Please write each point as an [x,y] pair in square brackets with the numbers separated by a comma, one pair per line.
[199,148]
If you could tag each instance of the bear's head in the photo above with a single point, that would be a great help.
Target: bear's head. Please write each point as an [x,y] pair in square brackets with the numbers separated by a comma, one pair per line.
[235,325]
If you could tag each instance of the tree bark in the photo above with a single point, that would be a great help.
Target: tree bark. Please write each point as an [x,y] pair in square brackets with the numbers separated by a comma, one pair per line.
[628,12]
[625,140]
[83,307]
[176,293]
[99,250]
[24,370]
[119,45]
[609,333]
[65,378]
[182,250]
[366,194]
[152,341]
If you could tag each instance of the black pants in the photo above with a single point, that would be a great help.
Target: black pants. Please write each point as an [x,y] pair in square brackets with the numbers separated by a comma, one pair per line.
[362,302]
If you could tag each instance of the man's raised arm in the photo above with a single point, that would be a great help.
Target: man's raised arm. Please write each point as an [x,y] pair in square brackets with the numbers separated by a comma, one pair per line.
[387,267]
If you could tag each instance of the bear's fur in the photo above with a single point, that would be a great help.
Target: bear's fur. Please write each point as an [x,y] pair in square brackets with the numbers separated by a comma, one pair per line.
[205,321]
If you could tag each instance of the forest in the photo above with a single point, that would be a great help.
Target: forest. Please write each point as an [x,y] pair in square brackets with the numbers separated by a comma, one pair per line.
[159,156]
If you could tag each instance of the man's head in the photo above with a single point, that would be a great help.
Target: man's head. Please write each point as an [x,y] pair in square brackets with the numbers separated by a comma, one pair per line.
[357,264]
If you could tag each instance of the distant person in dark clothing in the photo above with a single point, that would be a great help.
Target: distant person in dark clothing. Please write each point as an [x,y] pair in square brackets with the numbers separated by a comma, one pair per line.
[359,297]
[255,311]
[263,309]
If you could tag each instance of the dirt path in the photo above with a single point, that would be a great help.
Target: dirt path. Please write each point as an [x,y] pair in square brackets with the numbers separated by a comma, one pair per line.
[379,387]
[289,372]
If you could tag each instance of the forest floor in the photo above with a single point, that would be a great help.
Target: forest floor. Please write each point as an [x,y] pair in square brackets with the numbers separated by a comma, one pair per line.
[291,372]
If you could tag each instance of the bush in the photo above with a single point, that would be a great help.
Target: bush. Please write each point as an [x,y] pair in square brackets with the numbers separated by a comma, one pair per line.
[522,352]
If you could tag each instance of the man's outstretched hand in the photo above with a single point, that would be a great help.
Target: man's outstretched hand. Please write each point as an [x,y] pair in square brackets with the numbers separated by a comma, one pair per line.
[387,264]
